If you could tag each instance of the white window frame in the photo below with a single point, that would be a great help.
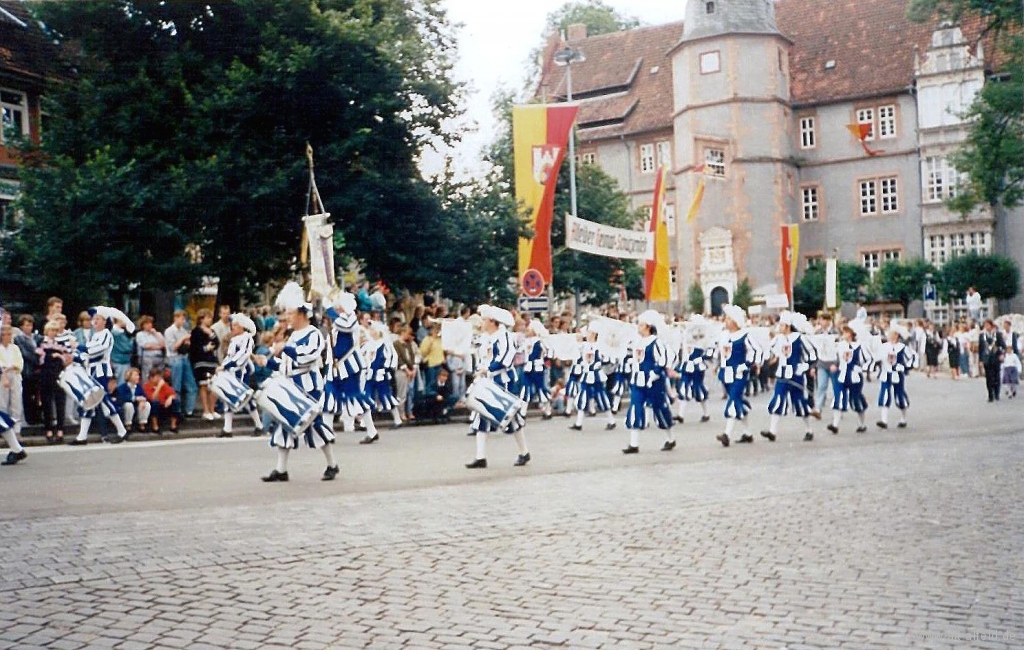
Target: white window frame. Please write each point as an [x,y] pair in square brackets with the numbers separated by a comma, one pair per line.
[886,121]
[810,201]
[673,282]
[889,194]
[937,252]
[867,116]
[7,105]
[647,158]
[714,161]
[875,260]
[670,219]
[808,135]
[710,62]
[940,178]
[868,197]
[664,151]
[588,158]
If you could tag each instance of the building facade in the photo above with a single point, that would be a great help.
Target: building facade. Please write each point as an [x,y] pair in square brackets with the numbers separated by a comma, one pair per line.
[758,98]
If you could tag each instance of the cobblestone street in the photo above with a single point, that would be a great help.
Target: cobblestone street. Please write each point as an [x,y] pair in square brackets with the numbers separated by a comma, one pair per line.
[885,540]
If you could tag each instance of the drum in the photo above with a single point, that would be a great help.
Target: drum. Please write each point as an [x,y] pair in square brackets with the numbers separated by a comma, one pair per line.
[282,400]
[493,402]
[231,390]
[81,387]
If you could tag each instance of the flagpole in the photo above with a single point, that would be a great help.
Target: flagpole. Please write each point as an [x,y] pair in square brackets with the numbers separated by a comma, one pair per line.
[567,56]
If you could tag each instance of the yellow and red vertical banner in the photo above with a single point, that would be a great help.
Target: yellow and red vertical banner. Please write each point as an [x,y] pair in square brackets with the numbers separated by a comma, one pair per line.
[698,196]
[540,134]
[656,279]
[790,256]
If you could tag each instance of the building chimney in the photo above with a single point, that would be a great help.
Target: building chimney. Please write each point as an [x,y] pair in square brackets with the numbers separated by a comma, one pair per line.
[577,32]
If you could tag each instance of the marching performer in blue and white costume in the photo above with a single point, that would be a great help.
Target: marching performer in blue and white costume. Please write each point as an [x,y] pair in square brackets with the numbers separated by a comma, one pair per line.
[692,368]
[8,429]
[897,360]
[575,375]
[796,356]
[382,361]
[238,361]
[620,377]
[593,396]
[848,386]
[299,359]
[648,385]
[94,356]
[534,387]
[737,354]
[346,396]
[496,322]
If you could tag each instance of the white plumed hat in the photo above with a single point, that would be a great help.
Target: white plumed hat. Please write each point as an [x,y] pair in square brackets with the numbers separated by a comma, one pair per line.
[244,321]
[291,297]
[736,314]
[651,318]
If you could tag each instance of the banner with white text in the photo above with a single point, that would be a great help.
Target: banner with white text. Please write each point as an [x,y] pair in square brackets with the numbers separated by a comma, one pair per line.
[606,241]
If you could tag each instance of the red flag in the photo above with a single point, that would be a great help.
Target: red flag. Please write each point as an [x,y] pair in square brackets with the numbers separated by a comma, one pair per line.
[790,251]
[861,132]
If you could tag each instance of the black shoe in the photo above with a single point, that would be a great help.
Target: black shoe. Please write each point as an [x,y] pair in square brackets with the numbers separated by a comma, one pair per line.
[174,430]
[678,418]
[546,416]
[471,433]
[576,427]
[609,426]
[75,442]
[370,440]
[330,473]
[808,436]
[901,425]
[631,450]
[522,460]
[157,432]
[13,458]
[669,445]
[769,435]
[360,428]
[881,425]
[397,425]
[257,432]
[479,463]
[275,477]
[724,439]
[113,440]
[833,428]
[225,434]
[705,418]
[861,429]
[745,439]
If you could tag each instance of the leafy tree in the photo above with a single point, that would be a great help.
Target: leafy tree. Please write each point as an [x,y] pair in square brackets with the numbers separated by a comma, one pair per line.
[206,124]
[809,292]
[997,16]
[903,281]
[744,296]
[994,276]
[695,299]
[599,18]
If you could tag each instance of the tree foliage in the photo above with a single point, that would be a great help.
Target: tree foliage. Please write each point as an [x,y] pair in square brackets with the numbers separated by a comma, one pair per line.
[903,281]
[993,276]
[744,295]
[695,299]
[195,142]
[599,18]
[809,292]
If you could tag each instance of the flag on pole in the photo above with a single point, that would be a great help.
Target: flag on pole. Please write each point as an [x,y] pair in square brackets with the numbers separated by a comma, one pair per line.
[539,135]
[698,196]
[831,283]
[861,132]
[656,279]
[790,255]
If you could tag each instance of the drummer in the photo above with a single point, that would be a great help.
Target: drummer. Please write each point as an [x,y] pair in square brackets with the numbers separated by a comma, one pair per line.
[496,322]
[346,396]
[796,356]
[648,386]
[300,358]
[94,357]
[238,361]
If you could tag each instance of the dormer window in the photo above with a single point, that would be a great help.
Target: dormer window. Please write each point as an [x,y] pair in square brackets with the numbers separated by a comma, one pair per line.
[709,7]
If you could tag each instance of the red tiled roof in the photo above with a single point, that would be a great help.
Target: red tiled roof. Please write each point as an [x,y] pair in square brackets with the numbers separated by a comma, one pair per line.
[25,52]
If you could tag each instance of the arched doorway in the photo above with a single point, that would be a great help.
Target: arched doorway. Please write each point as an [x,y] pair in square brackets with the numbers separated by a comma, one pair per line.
[719,297]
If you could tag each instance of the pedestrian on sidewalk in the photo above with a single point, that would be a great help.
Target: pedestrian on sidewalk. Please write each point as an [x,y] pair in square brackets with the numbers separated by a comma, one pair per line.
[990,345]
[1011,372]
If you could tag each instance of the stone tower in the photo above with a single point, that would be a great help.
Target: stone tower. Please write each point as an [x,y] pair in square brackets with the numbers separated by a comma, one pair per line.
[732,113]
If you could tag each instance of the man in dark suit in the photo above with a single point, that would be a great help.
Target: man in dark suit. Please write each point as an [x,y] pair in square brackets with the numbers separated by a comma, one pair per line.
[438,399]
[990,346]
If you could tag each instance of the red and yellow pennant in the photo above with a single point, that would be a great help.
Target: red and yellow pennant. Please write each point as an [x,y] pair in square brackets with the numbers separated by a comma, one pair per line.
[539,136]
[861,132]
[790,255]
[698,196]
[657,284]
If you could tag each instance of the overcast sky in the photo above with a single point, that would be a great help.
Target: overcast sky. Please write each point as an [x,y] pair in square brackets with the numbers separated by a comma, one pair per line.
[495,42]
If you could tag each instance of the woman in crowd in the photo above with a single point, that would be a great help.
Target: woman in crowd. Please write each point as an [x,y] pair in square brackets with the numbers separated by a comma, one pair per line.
[433,353]
[54,356]
[202,355]
[932,346]
[150,344]
[84,330]
[953,352]
[11,365]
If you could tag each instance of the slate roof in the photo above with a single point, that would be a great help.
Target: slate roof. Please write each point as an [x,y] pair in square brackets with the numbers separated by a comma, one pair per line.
[25,51]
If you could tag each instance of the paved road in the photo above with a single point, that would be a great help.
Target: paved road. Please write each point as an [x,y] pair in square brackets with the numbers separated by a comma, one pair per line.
[884,540]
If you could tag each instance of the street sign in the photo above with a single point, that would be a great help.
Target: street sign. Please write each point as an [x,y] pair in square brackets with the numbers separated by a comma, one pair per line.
[534,305]
[533,283]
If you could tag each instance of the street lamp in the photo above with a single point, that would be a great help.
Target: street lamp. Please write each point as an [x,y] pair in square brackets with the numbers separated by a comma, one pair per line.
[566,57]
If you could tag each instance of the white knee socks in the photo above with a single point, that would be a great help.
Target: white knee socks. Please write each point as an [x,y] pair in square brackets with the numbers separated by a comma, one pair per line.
[396,416]
[837,416]
[634,437]
[12,441]
[348,424]
[229,419]
[610,417]
[521,442]
[903,416]
[481,445]
[328,450]
[118,425]
[371,428]
[807,424]
[282,460]
[773,425]
[730,426]
[579,418]
[83,428]
[704,408]
[255,415]
[884,415]
[682,408]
